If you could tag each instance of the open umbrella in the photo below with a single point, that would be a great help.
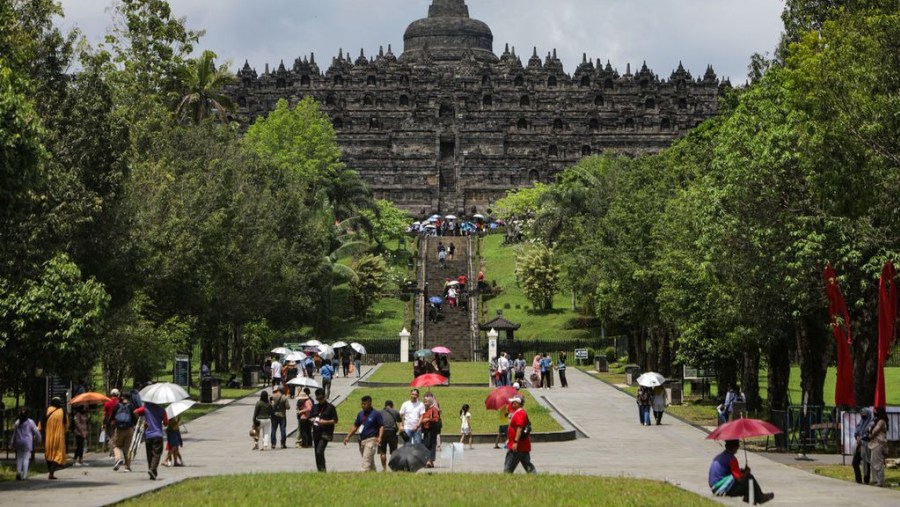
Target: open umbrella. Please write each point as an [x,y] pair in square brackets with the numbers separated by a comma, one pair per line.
[651,379]
[453,282]
[499,397]
[337,345]
[436,300]
[177,408]
[441,350]
[428,379]
[423,353]
[358,348]
[450,217]
[311,343]
[163,393]
[281,351]
[295,356]
[304,381]
[90,398]
[742,428]
[326,352]
[409,458]
[478,216]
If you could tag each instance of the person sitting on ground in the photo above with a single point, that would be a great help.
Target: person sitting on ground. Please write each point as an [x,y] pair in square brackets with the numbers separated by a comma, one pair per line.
[727,478]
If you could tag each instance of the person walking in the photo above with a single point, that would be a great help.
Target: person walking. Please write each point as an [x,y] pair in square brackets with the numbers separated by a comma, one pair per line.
[324,420]
[156,420]
[546,371]
[430,425]
[411,411]
[80,429]
[276,372]
[561,368]
[465,428]
[644,400]
[25,432]
[55,424]
[345,363]
[370,425]
[304,420]
[357,364]
[878,445]
[658,403]
[327,372]
[451,250]
[391,420]
[280,406]
[861,461]
[109,422]
[173,443]
[518,444]
[124,422]
[262,414]
[727,478]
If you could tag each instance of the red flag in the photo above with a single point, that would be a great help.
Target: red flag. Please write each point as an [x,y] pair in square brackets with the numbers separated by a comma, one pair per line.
[840,327]
[887,326]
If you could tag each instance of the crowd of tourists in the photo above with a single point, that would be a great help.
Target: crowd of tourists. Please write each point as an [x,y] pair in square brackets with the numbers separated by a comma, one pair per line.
[505,371]
[451,225]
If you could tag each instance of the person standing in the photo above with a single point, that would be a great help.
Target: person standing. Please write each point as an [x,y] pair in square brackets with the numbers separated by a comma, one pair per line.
[345,363]
[465,428]
[659,402]
[327,372]
[430,424]
[878,443]
[561,368]
[262,414]
[546,371]
[503,370]
[357,364]
[280,407]
[518,444]
[324,422]
[411,411]
[80,429]
[451,250]
[276,373]
[370,425]
[156,420]
[304,421]
[861,460]
[124,421]
[25,432]
[727,478]
[730,396]
[391,420]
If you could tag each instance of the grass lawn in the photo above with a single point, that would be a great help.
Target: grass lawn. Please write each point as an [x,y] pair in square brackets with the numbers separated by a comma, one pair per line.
[451,400]
[499,264]
[463,373]
[8,468]
[360,489]
[845,473]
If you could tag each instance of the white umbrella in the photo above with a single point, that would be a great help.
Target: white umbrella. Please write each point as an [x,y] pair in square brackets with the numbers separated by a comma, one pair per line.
[163,393]
[337,345]
[304,381]
[326,352]
[453,282]
[311,343]
[431,226]
[175,409]
[451,217]
[358,347]
[478,215]
[651,379]
[295,356]
[281,351]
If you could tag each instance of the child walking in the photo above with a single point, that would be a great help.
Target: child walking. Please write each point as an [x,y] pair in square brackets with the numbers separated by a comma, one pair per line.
[466,428]
[174,443]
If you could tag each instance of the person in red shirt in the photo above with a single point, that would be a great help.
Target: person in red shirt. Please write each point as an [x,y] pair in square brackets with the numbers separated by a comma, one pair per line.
[108,423]
[518,443]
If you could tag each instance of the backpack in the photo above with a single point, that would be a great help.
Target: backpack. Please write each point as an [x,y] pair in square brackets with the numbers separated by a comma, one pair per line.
[123,416]
[136,400]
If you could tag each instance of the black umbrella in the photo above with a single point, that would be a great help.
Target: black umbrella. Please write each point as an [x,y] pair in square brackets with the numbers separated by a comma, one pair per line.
[409,458]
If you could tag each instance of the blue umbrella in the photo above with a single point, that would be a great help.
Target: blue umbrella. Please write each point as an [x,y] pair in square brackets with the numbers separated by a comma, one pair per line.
[436,300]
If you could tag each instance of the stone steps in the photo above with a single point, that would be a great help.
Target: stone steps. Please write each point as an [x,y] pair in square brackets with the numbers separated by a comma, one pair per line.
[452,328]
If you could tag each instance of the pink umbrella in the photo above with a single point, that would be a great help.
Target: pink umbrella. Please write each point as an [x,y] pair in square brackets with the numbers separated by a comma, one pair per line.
[440,350]
[429,379]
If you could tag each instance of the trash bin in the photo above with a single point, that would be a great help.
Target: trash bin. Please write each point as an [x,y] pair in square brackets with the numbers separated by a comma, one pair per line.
[673,386]
[250,377]
[602,366]
[632,372]
[209,389]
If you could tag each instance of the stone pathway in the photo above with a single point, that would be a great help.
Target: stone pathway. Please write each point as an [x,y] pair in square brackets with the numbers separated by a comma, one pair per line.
[617,446]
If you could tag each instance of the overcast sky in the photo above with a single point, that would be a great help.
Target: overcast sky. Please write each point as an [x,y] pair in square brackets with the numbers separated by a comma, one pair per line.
[723,33]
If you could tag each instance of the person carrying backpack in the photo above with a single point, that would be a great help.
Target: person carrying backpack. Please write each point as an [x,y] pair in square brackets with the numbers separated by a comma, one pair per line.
[123,420]
[518,444]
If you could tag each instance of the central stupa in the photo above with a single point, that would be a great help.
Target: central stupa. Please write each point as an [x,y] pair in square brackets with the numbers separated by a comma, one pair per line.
[448,35]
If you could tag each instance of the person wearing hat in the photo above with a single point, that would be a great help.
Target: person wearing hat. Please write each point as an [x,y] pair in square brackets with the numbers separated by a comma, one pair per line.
[109,424]
[304,424]
[727,478]
[518,444]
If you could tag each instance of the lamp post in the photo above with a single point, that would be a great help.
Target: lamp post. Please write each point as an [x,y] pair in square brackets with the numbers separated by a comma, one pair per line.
[404,346]
[492,343]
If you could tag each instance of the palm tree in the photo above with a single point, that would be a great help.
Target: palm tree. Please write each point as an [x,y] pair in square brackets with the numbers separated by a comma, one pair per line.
[202,85]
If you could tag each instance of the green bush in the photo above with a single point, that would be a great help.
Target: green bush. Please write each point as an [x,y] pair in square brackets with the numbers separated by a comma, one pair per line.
[610,353]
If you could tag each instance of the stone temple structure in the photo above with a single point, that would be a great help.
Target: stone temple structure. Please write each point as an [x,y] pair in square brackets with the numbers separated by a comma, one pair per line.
[449,127]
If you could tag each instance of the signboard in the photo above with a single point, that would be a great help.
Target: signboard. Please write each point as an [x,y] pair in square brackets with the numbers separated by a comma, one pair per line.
[57,387]
[697,373]
[581,353]
[181,371]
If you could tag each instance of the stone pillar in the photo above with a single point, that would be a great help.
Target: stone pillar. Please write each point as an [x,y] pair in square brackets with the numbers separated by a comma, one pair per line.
[404,346]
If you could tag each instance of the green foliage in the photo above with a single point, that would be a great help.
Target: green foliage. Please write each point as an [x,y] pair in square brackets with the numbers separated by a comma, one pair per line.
[538,275]
[389,223]
[202,86]
[367,286]
[520,203]
[610,354]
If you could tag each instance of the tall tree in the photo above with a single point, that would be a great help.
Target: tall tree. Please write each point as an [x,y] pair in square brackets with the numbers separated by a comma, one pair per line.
[202,85]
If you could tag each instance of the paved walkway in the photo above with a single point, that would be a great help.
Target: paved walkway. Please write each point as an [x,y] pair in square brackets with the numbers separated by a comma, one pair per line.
[218,444]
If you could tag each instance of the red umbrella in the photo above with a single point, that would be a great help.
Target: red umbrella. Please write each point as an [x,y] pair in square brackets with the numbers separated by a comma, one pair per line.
[499,397]
[743,428]
[429,379]
[89,399]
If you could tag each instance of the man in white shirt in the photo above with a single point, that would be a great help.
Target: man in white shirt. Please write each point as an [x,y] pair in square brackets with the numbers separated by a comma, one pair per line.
[276,372]
[503,370]
[411,411]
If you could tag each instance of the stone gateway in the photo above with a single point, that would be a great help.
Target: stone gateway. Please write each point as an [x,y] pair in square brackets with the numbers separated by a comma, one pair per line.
[449,126]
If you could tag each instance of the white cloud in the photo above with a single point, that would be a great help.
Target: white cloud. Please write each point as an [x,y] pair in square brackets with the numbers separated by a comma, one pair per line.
[723,33]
